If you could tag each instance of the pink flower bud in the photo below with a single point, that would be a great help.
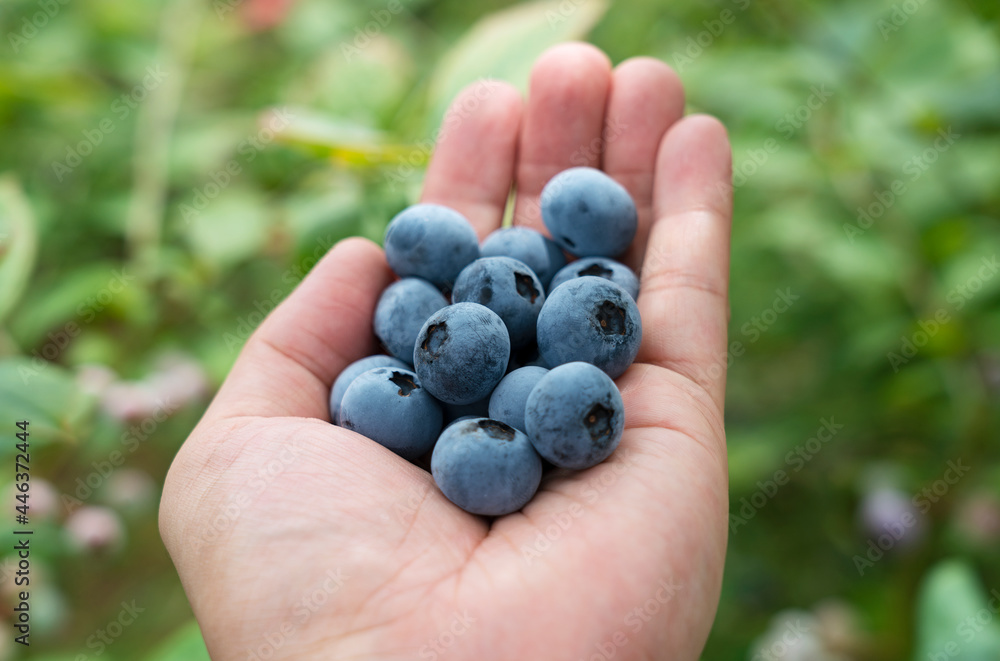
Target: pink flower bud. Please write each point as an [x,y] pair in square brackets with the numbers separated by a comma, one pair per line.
[93,528]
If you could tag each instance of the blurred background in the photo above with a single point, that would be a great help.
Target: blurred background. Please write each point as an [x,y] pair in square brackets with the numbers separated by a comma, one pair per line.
[171,168]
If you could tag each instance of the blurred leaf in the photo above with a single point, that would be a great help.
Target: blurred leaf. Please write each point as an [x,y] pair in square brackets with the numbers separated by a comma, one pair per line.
[93,290]
[314,25]
[330,211]
[18,243]
[67,657]
[46,396]
[953,618]
[184,645]
[347,143]
[506,44]
[229,228]
[364,85]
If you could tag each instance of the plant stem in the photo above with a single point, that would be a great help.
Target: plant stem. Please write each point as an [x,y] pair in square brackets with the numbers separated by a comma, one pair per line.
[154,128]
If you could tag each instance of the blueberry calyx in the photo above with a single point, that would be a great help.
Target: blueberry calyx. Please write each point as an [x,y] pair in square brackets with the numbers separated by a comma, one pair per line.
[598,422]
[598,270]
[525,286]
[436,336]
[405,383]
[611,318]
[497,430]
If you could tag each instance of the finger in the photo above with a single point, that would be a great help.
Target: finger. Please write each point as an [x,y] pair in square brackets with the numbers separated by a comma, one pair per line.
[646,98]
[290,361]
[683,298]
[472,168]
[562,123]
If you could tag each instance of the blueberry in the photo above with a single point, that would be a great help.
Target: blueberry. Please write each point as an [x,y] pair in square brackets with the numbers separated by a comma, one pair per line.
[602,267]
[461,353]
[526,356]
[401,311]
[390,407]
[477,409]
[353,371]
[432,242]
[462,419]
[593,320]
[486,467]
[588,213]
[575,416]
[509,288]
[540,253]
[511,394]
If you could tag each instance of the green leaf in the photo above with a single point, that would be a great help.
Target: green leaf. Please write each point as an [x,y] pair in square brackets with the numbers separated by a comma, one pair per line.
[55,305]
[67,657]
[229,228]
[18,244]
[184,645]
[954,620]
[45,395]
[504,45]
[345,142]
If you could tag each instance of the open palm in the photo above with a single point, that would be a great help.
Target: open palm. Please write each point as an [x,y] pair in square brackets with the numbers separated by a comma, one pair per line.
[296,539]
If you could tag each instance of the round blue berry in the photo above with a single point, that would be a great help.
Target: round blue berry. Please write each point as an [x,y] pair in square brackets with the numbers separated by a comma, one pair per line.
[390,407]
[602,267]
[402,310]
[432,242]
[509,288]
[511,394]
[477,409]
[540,253]
[353,371]
[588,213]
[461,353]
[575,416]
[593,320]
[486,467]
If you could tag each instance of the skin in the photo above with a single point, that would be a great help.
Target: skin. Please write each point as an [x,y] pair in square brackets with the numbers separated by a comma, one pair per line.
[266,502]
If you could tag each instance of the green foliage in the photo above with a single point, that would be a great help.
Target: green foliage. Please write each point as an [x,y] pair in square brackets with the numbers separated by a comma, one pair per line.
[20,244]
[47,397]
[185,645]
[956,618]
[142,216]
[506,44]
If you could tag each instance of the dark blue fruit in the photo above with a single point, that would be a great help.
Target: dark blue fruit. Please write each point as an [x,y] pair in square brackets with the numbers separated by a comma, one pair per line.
[602,267]
[575,416]
[461,353]
[486,467]
[526,356]
[588,213]
[477,409]
[391,408]
[509,288]
[593,320]
[402,310]
[511,394]
[353,371]
[462,419]
[432,242]
[539,252]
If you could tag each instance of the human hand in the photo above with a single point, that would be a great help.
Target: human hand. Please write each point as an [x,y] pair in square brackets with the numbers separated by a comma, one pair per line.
[296,539]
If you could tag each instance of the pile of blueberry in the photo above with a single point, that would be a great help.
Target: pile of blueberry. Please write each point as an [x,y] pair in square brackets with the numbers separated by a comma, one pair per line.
[518,366]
